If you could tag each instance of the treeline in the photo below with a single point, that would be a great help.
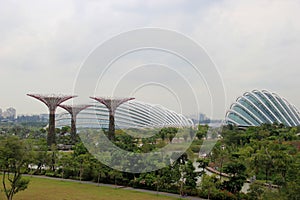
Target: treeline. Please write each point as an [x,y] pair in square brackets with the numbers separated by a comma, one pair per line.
[29,156]
[265,155]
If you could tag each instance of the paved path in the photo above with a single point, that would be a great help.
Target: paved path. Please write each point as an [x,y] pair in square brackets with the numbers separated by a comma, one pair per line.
[120,187]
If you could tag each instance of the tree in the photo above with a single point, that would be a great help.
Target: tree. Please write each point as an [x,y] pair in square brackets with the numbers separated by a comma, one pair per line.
[203,163]
[40,154]
[52,157]
[171,136]
[292,187]
[189,176]
[263,160]
[169,176]
[100,170]
[14,155]
[202,130]
[115,175]
[255,191]
[79,149]
[66,162]
[236,170]
[83,164]
[162,134]
[209,186]
[168,132]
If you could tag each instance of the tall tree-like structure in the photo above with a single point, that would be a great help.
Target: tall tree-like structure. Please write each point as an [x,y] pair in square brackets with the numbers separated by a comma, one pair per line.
[51,101]
[112,104]
[74,110]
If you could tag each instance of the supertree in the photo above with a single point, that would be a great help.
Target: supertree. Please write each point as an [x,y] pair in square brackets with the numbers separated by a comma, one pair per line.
[74,110]
[112,104]
[51,101]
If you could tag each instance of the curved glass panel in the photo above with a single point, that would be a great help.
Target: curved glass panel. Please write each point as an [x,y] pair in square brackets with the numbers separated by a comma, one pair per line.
[257,107]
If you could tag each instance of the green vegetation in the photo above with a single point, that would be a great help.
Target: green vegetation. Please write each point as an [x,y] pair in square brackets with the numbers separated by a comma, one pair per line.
[14,155]
[267,157]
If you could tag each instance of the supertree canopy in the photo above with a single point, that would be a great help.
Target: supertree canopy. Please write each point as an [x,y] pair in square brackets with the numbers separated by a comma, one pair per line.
[51,101]
[111,104]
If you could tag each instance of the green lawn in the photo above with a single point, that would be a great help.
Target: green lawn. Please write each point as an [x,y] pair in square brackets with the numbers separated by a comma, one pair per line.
[47,189]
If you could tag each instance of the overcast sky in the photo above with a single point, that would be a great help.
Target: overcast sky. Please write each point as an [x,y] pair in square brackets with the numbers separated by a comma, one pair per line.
[255,44]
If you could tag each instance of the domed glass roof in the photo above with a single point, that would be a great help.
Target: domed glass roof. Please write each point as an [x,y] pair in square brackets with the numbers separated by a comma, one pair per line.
[132,114]
[262,107]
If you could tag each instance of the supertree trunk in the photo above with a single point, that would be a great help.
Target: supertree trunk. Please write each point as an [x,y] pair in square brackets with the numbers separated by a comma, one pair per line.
[74,110]
[111,104]
[111,128]
[51,139]
[73,130]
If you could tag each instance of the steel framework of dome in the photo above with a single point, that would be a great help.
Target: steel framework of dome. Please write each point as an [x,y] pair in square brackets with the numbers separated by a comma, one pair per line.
[131,114]
[262,107]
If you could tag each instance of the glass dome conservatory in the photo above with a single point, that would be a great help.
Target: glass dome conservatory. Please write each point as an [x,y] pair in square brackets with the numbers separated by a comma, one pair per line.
[132,114]
[259,107]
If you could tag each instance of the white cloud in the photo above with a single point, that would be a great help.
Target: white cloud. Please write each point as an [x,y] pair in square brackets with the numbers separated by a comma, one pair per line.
[254,43]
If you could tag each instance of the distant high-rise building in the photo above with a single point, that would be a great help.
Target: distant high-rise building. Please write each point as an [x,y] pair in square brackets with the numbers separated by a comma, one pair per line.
[202,117]
[0,113]
[10,113]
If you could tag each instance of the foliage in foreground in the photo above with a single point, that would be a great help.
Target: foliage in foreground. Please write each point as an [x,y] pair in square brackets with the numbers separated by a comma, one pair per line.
[14,156]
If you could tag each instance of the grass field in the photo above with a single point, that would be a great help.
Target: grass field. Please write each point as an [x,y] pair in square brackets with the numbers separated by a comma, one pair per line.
[48,189]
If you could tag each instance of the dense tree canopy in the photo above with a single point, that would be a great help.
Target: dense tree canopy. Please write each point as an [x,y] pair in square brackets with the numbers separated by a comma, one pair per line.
[265,157]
